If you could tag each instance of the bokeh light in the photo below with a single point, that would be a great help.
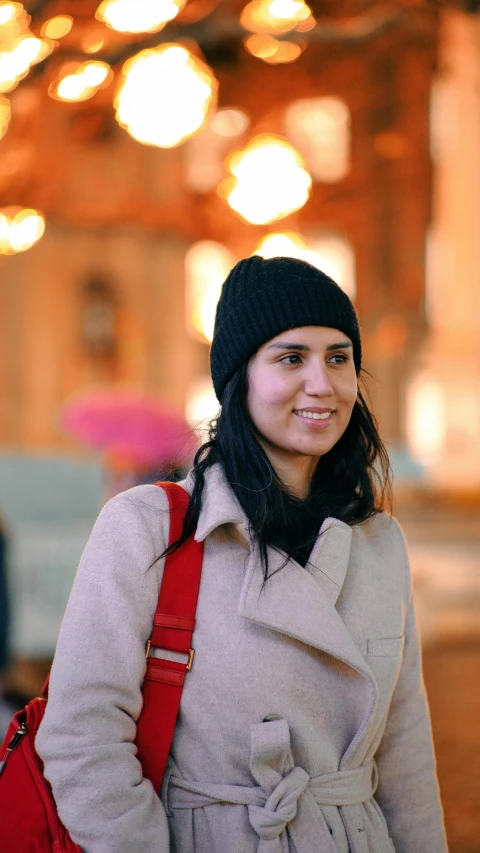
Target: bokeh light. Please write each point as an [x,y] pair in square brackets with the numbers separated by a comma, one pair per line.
[57,27]
[229,122]
[92,41]
[7,12]
[165,95]
[13,20]
[138,16]
[272,50]
[269,180]
[276,16]
[17,59]
[20,229]
[82,81]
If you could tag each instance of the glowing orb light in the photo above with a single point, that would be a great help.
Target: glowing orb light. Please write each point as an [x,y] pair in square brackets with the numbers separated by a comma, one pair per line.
[268,182]
[276,16]
[82,82]
[165,95]
[20,229]
[15,62]
[13,19]
[138,16]
[57,27]
[272,50]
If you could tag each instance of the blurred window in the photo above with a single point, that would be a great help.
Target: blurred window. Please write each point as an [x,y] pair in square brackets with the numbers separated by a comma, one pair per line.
[98,318]
[336,258]
[320,129]
[207,265]
[426,418]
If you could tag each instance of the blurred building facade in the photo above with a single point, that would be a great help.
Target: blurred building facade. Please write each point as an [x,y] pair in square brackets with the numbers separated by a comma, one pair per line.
[103,296]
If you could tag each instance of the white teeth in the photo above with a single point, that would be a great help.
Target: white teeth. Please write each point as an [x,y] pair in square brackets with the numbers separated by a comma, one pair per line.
[316,416]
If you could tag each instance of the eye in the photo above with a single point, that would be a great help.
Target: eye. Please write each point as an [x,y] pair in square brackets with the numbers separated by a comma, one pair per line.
[338,358]
[291,359]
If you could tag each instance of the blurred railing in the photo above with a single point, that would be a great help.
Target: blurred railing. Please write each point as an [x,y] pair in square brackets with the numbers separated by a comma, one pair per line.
[43,563]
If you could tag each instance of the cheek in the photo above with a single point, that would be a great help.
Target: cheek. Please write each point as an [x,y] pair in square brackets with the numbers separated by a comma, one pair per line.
[349,396]
[278,393]
[266,391]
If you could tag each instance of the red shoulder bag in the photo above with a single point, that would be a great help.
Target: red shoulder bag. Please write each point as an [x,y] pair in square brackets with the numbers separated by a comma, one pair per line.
[29,821]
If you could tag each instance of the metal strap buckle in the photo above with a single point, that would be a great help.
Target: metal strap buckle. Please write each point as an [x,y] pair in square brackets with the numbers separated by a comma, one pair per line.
[191,653]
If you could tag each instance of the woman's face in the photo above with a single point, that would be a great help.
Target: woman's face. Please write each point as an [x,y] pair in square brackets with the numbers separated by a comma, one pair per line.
[302,386]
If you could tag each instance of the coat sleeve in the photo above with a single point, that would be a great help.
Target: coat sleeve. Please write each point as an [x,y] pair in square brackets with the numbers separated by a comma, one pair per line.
[86,739]
[408,791]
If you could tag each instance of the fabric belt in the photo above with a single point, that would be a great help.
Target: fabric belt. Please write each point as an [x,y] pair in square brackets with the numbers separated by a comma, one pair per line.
[286,795]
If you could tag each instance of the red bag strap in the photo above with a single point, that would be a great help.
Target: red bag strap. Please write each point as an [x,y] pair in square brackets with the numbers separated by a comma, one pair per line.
[173,626]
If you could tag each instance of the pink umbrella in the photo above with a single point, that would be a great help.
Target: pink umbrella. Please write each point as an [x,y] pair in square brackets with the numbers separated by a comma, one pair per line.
[130,425]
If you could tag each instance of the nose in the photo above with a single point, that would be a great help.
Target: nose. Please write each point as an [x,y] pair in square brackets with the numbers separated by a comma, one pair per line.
[318,381]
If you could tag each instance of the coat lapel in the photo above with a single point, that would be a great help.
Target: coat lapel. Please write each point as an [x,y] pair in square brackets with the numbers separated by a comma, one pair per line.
[301,603]
[330,556]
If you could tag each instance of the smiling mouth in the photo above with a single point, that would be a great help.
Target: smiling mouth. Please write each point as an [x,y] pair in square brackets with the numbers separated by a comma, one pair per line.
[314,416]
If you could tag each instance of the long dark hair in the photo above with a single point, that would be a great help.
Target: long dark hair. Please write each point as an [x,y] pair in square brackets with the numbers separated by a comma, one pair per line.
[351,482]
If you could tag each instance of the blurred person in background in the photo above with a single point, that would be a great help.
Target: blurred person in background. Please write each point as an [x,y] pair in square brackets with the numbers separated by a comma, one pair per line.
[303,724]
[123,472]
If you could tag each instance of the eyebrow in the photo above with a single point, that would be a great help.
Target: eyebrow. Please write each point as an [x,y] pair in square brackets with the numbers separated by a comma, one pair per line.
[303,347]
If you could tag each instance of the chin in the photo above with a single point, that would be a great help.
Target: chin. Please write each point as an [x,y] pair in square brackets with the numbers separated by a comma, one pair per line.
[315,450]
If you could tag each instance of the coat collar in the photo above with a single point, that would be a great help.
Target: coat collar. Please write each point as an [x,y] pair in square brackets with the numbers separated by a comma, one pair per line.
[219,505]
[330,555]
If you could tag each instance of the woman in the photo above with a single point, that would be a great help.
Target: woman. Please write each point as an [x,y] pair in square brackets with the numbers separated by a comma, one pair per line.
[303,724]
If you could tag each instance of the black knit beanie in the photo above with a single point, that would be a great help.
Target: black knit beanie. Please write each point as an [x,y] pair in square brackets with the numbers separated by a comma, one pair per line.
[262,298]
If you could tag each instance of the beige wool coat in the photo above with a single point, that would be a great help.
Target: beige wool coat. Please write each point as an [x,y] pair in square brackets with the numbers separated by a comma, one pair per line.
[303,725]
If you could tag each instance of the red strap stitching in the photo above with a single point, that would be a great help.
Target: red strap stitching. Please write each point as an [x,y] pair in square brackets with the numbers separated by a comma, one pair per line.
[166,676]
[167,620]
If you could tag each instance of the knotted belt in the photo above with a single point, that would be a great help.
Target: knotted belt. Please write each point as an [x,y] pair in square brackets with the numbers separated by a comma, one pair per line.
[286,795]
